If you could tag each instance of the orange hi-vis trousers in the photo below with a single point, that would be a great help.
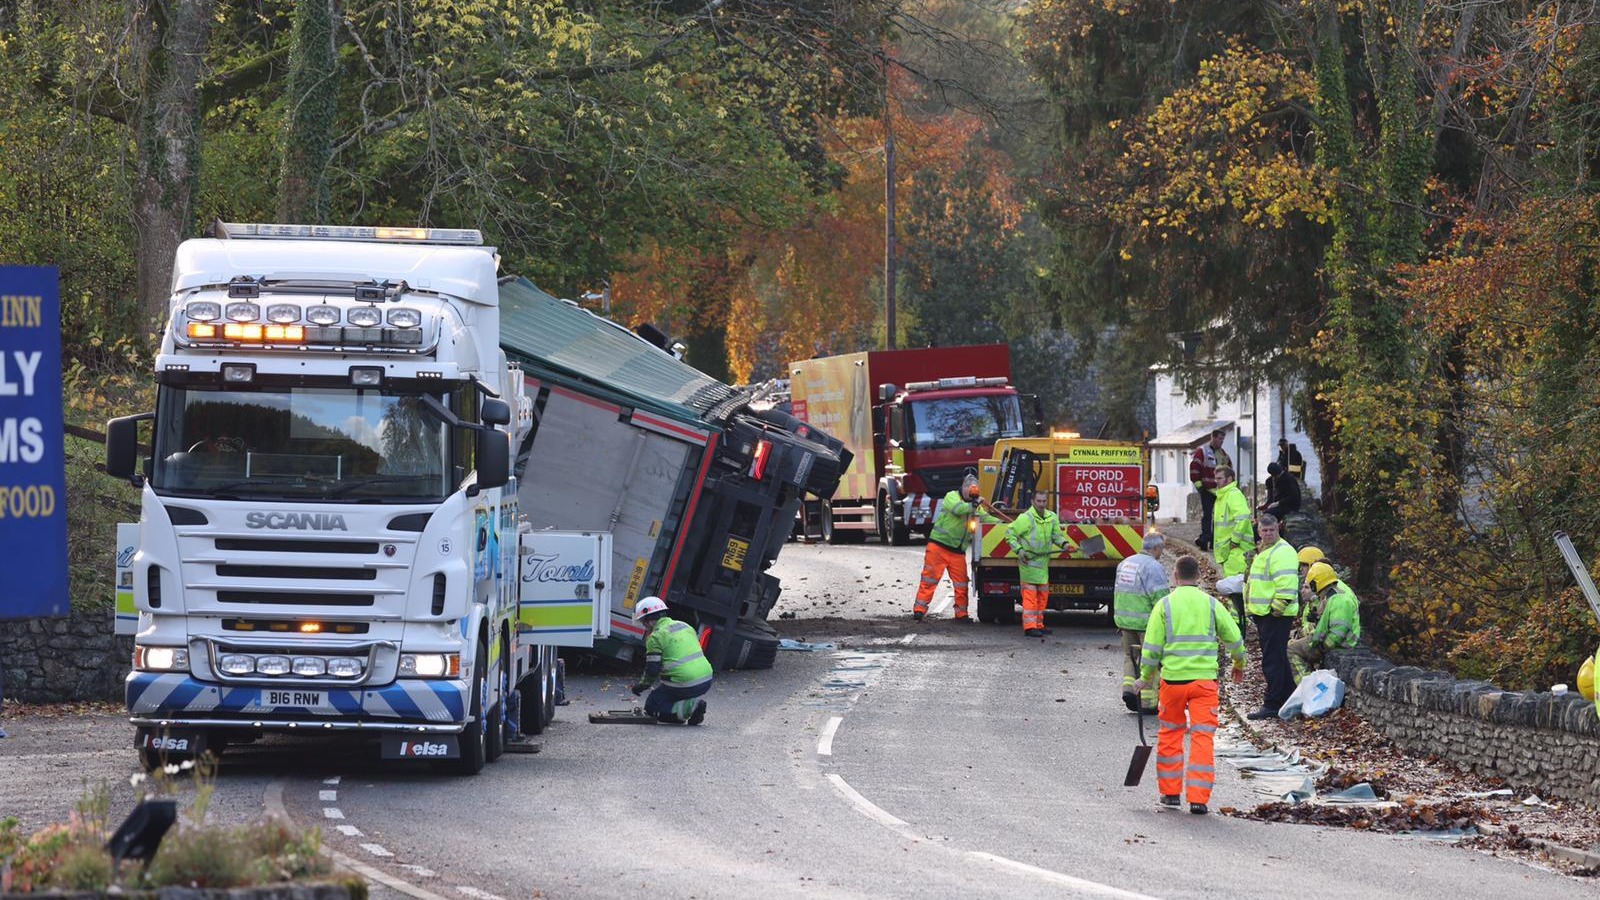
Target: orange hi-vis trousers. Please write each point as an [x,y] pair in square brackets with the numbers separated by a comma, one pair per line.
[1035,598]
[935,562]
[1192,708]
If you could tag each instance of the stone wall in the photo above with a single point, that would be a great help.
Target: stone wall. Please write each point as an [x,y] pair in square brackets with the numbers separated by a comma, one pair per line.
[75,657]
[1537,741]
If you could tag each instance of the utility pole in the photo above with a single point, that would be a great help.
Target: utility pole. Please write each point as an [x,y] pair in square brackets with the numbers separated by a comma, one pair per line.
[888,218]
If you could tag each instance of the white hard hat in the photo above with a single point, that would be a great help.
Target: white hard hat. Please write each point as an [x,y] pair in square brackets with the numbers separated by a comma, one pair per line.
[648,606]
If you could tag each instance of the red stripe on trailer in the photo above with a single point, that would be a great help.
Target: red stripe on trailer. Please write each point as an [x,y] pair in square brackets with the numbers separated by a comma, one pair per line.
[581,398]
[653,423]
[688,514]
[620,621]
[531,383]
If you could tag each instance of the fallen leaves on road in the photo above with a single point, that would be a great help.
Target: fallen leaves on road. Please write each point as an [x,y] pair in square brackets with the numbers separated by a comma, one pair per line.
[1390,819]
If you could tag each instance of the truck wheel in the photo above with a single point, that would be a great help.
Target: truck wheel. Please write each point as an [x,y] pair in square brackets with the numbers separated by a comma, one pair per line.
[534,687]
[996,610]
[551,672]
[891,530]
[495,740]
[475,737]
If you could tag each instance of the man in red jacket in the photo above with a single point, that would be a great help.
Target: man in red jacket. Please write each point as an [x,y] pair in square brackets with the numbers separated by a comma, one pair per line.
[1203,475]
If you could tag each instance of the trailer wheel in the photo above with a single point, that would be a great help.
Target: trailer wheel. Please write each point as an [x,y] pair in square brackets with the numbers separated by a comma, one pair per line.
[475,737]
[552,667]
[753,644]
[891,530]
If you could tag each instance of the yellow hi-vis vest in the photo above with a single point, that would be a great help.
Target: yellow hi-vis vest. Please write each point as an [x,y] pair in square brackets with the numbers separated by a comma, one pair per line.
[1182,637]
[1141,581]
[1273,588]
[1231,533]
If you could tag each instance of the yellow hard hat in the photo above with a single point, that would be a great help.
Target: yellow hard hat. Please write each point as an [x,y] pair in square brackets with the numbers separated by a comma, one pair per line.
[1320,576]
[1309,555]
[1586,679]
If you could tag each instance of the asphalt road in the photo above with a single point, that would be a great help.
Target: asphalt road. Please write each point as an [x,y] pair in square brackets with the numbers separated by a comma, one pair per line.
[925,760]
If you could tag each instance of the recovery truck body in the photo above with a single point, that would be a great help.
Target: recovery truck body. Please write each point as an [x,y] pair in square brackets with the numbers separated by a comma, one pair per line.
[1097,488]
[337,531]
[915,421]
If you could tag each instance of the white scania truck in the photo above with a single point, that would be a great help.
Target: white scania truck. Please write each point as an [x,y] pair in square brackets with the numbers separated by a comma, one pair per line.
[358,516]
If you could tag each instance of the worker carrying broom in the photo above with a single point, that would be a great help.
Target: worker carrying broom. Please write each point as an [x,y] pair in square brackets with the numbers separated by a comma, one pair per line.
[1185,628]
[947,546]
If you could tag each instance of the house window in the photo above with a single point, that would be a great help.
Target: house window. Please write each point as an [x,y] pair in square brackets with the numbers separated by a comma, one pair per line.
[1160,466]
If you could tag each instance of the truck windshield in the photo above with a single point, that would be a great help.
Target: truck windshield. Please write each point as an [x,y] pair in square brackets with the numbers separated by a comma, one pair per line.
[964,421]
[300,443]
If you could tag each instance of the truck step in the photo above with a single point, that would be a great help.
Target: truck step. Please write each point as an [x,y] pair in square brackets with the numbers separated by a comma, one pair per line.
[524,744]
[635,716]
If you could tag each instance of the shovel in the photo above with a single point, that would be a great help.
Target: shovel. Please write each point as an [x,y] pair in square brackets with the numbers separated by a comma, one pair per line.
[1141,756]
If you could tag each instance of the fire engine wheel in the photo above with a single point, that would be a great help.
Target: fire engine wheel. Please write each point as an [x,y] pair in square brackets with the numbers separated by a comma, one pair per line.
[475,737]
[891,530]
[996,610]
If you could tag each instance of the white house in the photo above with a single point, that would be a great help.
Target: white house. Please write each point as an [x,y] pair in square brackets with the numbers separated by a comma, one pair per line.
[1251,420]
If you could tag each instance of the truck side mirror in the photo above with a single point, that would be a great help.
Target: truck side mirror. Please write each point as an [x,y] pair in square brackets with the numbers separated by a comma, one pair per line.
[122,445]
[886,392]
[878,423]
[1038,416]
[494,412]
[494,458]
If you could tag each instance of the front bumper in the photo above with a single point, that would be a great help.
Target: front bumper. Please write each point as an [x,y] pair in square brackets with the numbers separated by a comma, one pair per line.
[160,700]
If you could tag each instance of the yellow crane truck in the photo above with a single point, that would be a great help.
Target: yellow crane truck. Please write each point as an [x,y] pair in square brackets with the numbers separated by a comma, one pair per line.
[1102,494]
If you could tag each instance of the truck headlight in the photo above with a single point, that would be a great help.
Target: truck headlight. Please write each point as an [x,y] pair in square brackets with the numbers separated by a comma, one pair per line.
[430,665]
[160,659]
[309,666]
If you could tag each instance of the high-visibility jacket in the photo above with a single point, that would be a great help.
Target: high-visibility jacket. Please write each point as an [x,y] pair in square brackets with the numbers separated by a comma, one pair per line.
[1182,637]
[1340,625]
[1141,581]
[1273,587]
[1231,532]
[675,647]
[950,529]
[1036,537]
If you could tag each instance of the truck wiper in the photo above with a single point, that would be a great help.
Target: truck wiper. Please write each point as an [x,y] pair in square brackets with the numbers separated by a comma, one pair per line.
[345,487]
[257,481]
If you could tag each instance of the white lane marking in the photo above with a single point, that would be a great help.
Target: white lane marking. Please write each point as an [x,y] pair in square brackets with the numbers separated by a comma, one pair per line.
[330,812]
[419,871]
[376,849]
[477,894]
[350,831]
[908,639]
[327,796]
[825,742]
[867,807]
[272,799]
[333,780]
[1088,887]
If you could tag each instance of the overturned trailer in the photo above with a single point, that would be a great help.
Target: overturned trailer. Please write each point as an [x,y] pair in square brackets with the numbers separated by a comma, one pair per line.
[697,489]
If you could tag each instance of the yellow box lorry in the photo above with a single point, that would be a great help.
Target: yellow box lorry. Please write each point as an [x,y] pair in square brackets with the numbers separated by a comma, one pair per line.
[1100,490]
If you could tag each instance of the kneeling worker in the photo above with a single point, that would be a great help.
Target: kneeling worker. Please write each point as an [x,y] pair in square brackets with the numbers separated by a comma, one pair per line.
[671,654]
[1185,628]
[1338,628]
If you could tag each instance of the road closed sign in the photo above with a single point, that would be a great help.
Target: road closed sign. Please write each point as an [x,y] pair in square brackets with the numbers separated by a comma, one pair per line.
[1094,493]
[33,502]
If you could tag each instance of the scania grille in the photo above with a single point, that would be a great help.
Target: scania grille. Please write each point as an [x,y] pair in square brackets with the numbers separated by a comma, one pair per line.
[942,481]
[295,598]
[296,545]
[330,572]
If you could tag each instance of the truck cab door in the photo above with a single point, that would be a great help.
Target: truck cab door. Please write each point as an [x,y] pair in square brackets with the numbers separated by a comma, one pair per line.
[564,579]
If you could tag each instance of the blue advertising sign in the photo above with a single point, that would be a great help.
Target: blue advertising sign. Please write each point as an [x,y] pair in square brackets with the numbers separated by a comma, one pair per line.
[33,479]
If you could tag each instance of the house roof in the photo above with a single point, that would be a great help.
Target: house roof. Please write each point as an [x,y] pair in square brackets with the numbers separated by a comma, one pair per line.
[536,328]
[1191,435]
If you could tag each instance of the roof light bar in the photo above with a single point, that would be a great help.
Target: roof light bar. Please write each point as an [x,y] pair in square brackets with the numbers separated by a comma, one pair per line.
[248,230]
